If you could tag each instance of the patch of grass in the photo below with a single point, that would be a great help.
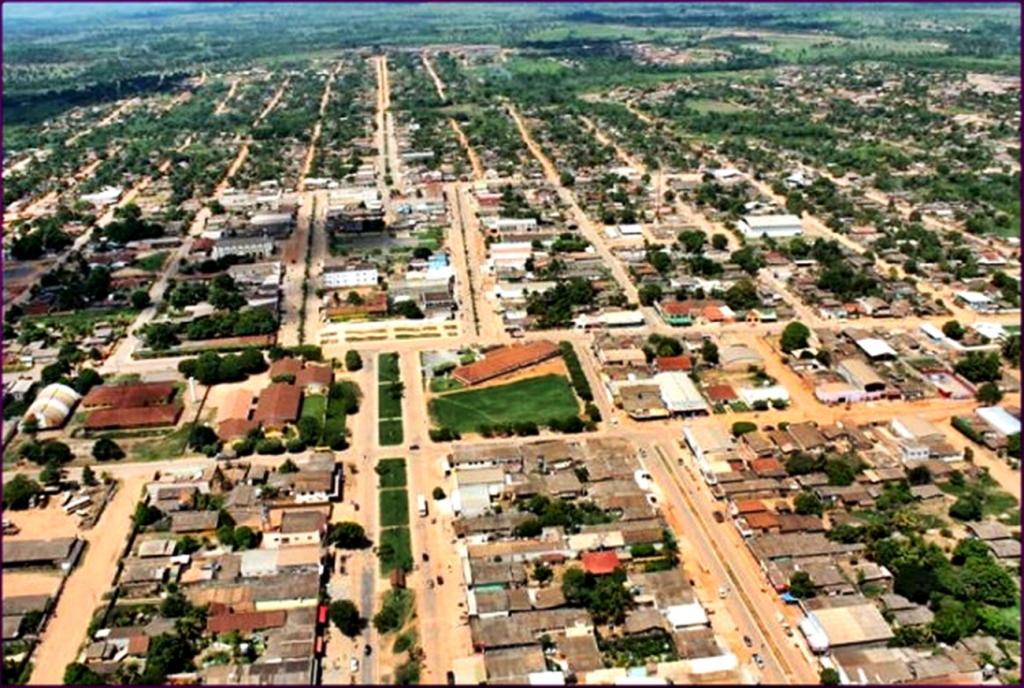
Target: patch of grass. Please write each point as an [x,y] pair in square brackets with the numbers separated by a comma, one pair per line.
[439,385]
[388,368]
[334,422]
[389,432]
[153,262]
[391,473]
[394,550]
[83,320]
[388,405]
[537,400]
[170,446]
[705,105]
[314,406]
[394,508]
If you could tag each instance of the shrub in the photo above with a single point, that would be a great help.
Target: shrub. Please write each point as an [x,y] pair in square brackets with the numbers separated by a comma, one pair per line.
[742,427]
[270,446]
[353,361]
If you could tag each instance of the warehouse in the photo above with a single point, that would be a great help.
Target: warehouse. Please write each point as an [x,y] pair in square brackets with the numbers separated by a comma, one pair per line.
[51,407]
[680,394]
[771,226]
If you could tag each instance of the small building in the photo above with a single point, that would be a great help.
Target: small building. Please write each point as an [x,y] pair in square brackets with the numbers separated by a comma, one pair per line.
[254,246]
[771,226]
[51,407]
[860,375]
[278,405]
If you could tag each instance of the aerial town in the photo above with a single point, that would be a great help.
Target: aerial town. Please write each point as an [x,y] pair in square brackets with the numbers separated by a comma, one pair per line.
[511,344]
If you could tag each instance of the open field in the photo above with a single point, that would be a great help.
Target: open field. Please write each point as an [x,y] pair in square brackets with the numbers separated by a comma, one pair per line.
[534,400]
[394,508]
[395,550]
[391,473]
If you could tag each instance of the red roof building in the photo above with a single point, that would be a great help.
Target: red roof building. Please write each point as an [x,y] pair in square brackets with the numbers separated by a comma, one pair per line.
[129,396]
[682,364]
[762,466]
[722,393]
[749,506]
[285,366]
[137,417]
[600,563]
[278,405]
[314,376]
[246,622]
[504,360]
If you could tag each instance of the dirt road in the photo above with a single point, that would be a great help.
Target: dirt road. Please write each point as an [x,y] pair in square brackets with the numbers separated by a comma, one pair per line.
[85,587]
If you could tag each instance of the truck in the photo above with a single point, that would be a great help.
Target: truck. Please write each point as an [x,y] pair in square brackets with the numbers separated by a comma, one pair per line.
[421,504]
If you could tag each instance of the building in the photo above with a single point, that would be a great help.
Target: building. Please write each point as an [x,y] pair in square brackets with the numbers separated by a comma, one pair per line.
[51,407]
[771,226]
[853,626]
[860,375]
[680,394]
[278,405]
[349,276]
[1000,420]
[255,247]
[129,396]
[504,360]
[298,527]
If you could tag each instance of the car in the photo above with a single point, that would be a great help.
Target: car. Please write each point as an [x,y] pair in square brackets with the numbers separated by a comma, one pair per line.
[353,665]
[426,557]
[440,580]
[414,447]
[759,661]
[450,678]
[719,518]
[747,641]
[367,650]
[722,592]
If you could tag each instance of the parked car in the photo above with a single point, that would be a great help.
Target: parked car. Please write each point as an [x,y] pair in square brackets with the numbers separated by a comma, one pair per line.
[440,580]
[353,665]
[719,518]
[747,641]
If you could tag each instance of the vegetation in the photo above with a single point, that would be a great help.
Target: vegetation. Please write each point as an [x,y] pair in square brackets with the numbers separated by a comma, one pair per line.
[533,400]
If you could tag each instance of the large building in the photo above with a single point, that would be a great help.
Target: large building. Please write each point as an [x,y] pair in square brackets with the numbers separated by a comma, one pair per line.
[256,247]
[349,276]
[771,226]
[504,360]
[51,407]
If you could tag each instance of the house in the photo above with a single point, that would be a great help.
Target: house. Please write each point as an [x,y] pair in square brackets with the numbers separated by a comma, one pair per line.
[771,226]
[599,563]
[277,406]
[193,521]
[860,375]
[298,527]
[255,247]
[349,276]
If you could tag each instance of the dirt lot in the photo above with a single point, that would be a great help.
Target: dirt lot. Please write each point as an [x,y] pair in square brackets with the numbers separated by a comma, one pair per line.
[30,583]
[40,524]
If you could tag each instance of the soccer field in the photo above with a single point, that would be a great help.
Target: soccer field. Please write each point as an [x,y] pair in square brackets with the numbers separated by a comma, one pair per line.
[537,400]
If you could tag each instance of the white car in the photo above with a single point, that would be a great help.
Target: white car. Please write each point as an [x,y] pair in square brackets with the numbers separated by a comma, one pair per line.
[353,665]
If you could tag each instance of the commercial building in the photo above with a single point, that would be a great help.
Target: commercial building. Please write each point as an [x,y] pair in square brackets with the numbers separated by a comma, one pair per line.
[255,247]
[349,276]
[771,226]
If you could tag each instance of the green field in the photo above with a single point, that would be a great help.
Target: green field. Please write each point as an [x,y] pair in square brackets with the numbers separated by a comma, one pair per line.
[314,406]
[395,550]
[153,262]
[705,105]
[387,368]
[391,472]
[394,508]
[444,384]
[334,423]
[389,432]
[537,400]
[388,406]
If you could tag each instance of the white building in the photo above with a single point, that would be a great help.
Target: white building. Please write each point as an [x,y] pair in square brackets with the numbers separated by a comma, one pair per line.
[257,247]
[679,393]
[1000,419]
[772,226]
[349,276]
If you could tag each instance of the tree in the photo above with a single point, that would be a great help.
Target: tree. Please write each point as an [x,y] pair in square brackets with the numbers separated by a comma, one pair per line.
[649,294]
[719,241]
[742,296]
[345,616]
[438,493]
[919,475]
[692,240]
[979,367]
[989,394]
[89,477]
[57,452]
[709,352]
[146,515]
[353,361]
[802,463]
[87,379]
[19,491]
[348,535]
[808,503]
[800,585]
[742,427]
[953,620]
[140,299]
[310,429]
[78,674]
[1011,350]
[167,654]
[829,677]
[201,437]
[175,605]
[542,573]
[967,507]
[840,471]
[288,467]
[50,475]
[795,336]
[245,538]
[107,449]
[953,330]
[160,336]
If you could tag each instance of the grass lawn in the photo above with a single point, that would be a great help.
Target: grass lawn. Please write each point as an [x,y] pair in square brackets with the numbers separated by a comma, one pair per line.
[394,508]
[170,446]
[394,550]
[444,384]
[314,405]
[153,262]
[388,406]
[537,399]
[334,422]
[391,472]
[388,368]
[389,432]
[83,320]
[704,106]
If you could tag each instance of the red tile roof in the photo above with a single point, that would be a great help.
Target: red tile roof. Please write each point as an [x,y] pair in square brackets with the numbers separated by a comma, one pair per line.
[599,563]
[504,360]
[285,366]
[278,404]
[675,363]
[314,375]
[129,396]
[138,417]
[764,520]
[720,393]
[749,506]
[766,465]
[235,428]
[245,621]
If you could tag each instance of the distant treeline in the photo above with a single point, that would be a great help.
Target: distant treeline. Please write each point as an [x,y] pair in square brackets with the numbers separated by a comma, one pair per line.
[28,108]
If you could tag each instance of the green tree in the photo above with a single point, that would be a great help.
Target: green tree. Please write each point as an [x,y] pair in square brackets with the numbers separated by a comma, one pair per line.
[800,585]
[57,452]
[979,367]
[542,573]
[18,492]
[829,677]
[953,620]
[719,241]
[953,329]
[106,449]
[78,674]
[345,616]
[140,299]
[808,503]
[353,361]
[348,535]
[989,394]
[89,477]
[967,507]
[709,352]
[795,336]
[167,654]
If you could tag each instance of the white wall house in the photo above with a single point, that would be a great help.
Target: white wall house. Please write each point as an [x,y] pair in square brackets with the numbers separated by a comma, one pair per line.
[344,277]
